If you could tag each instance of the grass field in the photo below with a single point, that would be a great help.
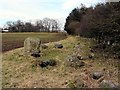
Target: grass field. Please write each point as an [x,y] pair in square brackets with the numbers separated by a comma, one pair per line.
[19,72]
[15,40]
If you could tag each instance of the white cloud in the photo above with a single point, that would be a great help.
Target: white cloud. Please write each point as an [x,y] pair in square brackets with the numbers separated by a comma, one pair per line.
[70,4]
[38,9]
[26,8]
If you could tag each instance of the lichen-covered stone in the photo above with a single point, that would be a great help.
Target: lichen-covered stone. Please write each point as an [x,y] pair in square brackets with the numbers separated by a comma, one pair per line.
[32,45]
[74,61]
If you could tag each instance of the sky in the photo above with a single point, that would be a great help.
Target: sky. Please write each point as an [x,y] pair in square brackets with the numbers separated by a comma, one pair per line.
[31,10]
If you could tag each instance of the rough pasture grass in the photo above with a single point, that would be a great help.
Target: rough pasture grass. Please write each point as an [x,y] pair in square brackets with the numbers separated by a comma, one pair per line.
[15,40]
[19,72]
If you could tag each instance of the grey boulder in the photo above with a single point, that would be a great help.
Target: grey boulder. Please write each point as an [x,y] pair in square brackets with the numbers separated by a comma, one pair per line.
[32,46]
[74,61]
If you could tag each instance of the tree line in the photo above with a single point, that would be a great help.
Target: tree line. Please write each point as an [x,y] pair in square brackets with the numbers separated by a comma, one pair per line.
[44,25]
[101,22]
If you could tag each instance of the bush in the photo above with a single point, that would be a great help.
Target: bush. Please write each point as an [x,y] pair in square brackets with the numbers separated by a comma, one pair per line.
[101,22]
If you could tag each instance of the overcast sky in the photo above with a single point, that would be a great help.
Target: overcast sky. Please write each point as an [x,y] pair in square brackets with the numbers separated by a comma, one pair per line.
[31,10]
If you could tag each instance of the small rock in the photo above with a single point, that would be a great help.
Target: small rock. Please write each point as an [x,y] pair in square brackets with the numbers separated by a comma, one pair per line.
[91,56]
[73,58]
[35,53]
[43,46]
[107,84]
[58,45]
[91,50]
[74,61]
[43,64]
[52,62]
[97,75]
[49,62]
[80,57]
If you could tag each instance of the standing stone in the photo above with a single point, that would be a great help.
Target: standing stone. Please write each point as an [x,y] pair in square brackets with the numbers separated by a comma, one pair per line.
[32,46]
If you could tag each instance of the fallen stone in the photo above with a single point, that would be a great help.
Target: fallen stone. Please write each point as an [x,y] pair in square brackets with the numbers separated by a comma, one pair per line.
[80,57]
[96,75]
[35,54]
[107,84]
[74,61]
[43,46]
[43,64]
[58,45]
[49,62]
